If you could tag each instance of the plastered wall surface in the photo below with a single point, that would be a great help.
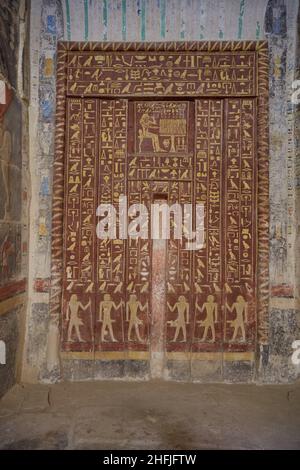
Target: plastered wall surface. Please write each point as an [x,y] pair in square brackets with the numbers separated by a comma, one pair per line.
[14,187]
[167,20]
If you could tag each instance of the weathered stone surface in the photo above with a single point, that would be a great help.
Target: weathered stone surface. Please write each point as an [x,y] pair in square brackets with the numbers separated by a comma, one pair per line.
[52,440]
[206,371]
[77,370]
[238,371]
[178,370]
[137,369]
[12,402]
[284,330]
[33,431]
[9,333]
[145,415]
[108,369]
[38,325]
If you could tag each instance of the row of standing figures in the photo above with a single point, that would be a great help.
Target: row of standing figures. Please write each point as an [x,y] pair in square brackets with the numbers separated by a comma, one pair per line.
[134,306]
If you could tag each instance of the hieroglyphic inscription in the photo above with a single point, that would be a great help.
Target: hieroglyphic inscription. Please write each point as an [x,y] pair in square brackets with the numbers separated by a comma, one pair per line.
[225,269]
[222,280]
[208,261]
[138,286]
[240,225]
[179,310]
[169,74]
[80,237]
[160,167]
[110,308]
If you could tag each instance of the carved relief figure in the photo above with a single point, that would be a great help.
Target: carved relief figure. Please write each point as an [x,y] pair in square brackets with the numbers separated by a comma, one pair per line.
[278,253]
[105,309]
[73,317]
[6,249]
[182,320]
[148,123]
[5,156]
[211,308]
[132,307]
[9,32]
[241,308]
[165,124]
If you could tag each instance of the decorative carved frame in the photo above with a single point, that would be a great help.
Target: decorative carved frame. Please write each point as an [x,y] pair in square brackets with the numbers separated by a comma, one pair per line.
[261,49]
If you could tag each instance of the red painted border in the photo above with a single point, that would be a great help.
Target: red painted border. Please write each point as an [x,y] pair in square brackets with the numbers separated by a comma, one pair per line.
[9,290]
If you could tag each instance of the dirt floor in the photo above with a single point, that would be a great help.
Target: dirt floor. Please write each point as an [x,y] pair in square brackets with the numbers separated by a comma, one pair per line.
[150,415]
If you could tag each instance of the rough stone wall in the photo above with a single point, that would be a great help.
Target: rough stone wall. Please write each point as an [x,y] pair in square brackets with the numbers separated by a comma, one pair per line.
[14,87]
[165,20]
[297,160]
[281,30]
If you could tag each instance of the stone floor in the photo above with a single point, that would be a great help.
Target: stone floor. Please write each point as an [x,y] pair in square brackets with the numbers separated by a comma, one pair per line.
[152,415]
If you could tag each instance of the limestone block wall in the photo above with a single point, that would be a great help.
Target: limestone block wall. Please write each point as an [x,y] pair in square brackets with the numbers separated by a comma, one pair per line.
[169,20]
[14,96]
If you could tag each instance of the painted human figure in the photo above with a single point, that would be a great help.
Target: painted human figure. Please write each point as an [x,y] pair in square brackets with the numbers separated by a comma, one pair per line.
[73,317]
[105,309]
[241,308]
[147,122]
[132,307]
[182,308]
[5,156]
[6,249]
[211,309]
[278,245]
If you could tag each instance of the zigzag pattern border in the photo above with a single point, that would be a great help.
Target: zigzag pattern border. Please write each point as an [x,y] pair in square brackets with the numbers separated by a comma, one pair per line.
[263,194]
[58,189]
[209,46]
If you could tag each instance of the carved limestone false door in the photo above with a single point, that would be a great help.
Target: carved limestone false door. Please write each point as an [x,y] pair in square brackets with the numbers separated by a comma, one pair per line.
[171,142]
